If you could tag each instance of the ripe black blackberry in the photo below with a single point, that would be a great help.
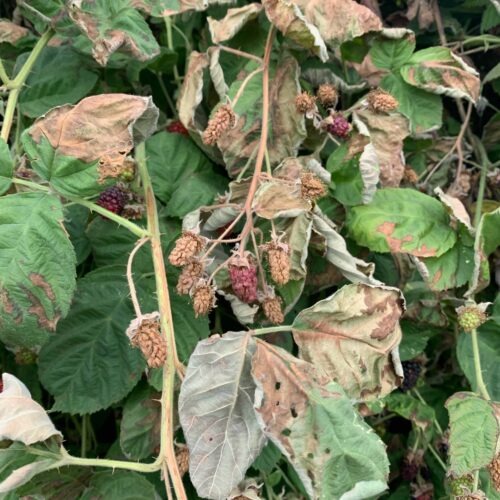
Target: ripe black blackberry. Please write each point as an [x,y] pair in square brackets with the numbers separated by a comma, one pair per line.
[411,370]
[409,469]
[113,199]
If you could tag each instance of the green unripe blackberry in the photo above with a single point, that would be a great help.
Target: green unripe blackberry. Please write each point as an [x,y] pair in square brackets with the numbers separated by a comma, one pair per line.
[470,317]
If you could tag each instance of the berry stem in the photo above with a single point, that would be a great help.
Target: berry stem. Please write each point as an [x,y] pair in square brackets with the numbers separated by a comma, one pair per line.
[167,452]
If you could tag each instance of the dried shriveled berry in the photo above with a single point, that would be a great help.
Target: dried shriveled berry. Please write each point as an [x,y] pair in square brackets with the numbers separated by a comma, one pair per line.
[411,465]
[411,370]
[279,262]
[113,199]
[133,211]
[190,274]
[470,317]
[182,458]
[494,470]
[145,333]
[339,126]
[243,277]
[203,295]
[380,101]
[305,103]
[327,95]
[272,310]
[311,186]
[176,127]
[410,175]
[25,357]
[186,247]
[223,119]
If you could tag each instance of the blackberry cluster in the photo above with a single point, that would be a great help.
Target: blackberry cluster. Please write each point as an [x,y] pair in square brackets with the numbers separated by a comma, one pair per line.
[113,199]
[409,469]
[339,126]
[411,370]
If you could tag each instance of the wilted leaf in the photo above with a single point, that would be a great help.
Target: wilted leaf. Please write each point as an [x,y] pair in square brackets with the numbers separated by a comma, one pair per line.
[76,148]
[113,26]
[37,268]
[21,418]
[234,20]
[245,313]
[402,221]
[352,337]
[298,235]
[276,198]
[317,429]
[440,71]
[11,33]
[6,167]
[474,432]
[217,415]
[90,364]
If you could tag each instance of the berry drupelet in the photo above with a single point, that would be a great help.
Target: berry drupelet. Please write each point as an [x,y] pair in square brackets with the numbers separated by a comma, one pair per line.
[113,199]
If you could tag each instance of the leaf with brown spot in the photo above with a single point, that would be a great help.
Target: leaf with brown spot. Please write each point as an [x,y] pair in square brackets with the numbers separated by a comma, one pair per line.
[12,33]
[314,424]
[352,337]
[37,268]
[234,20]
[76,147]
[113,26]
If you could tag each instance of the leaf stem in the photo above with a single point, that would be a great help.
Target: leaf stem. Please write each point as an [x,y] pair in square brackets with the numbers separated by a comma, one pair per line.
[485,164]
[437,457]
[167,452]
[271,329]
[4,78]
[477,366]
[17,83]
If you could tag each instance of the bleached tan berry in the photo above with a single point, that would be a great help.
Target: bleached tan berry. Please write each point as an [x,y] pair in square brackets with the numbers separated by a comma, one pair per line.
[470,317]
[410,175]
[278,258]
[272,310]
[305,103]
[182,458]
[190,274]
[203,295]
[148,339]
[223,119]
[186,247]
[133,211]
[327,95]
[380,101]
[311,187]
[494,470]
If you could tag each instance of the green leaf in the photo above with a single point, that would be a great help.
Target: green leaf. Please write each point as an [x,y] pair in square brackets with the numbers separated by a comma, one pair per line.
[141,422]
[37,268]
[75,222]
[90,363]
[112,26]
[359,322]
[58,77]
[402,221]
[119,484]
[420,414]
[217,416]
[440,71]
[268,458]
[387,53]
[6,167]
[424,110]
[474,432]
[334,452]
[415,339]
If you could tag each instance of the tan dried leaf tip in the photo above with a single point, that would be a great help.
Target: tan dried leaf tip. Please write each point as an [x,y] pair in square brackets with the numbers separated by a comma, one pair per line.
[305,103]
[182,458]
[327,95]
[186,247]
[190,274]
[278,257]
[223,119]
[381,101]
[145,333]
[272,310]
[114,165]
[494,470]
[203,295]
[311,186]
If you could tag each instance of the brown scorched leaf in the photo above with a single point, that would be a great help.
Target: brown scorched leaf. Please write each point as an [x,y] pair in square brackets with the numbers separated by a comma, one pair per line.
[278,198]
[314,424]
[234,20]
[11,33]
[352,337]
[77,147]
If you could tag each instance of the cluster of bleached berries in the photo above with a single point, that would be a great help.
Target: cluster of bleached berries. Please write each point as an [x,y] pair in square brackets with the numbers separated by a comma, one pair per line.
[243,274]
[336,123]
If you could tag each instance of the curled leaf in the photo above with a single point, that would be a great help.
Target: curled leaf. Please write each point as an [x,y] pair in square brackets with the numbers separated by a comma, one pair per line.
[234,20]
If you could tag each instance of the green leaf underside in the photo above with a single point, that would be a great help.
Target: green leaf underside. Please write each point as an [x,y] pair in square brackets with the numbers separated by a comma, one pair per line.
[90,364]
[402,221]
[37,268]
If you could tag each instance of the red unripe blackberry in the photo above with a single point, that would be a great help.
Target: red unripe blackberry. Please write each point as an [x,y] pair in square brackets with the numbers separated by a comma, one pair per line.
[244,282]
[411,370]
[339,126]
[176,127]
[113,199]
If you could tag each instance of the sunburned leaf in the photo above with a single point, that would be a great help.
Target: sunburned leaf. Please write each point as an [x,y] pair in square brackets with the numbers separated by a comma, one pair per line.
[217,73]
[440,71]
[113,26]
[21,418]
[335,454]
[37,268]
[77,148]
[402,221]
[234,20]
[297,236]
[352,337]
[474,432]
[217,415]
[277,198]
[12,33]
